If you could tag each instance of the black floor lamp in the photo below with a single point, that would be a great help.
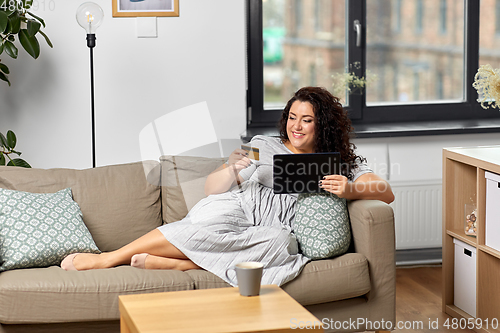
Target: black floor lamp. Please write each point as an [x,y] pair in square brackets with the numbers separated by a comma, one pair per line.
[90,15]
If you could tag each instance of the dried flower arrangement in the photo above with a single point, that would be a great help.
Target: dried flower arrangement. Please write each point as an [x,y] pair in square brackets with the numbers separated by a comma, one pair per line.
[487,84]
[350,82]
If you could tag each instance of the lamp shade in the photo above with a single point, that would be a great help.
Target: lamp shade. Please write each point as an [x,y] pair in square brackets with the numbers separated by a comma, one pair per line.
[89,15]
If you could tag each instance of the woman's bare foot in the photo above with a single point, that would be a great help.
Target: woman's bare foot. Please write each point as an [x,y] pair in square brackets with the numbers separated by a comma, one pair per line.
[67,263]
[85,261]
[139,260]
[156,262]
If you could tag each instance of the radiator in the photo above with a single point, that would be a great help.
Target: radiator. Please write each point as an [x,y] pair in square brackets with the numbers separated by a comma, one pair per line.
[417,214]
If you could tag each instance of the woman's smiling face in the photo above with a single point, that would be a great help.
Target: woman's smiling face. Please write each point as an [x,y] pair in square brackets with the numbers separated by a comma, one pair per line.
[300,128]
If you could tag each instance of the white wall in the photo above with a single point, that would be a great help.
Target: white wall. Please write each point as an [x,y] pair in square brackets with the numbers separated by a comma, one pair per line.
[199,56]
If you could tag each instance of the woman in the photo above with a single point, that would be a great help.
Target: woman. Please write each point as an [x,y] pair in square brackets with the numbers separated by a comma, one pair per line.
[249,222]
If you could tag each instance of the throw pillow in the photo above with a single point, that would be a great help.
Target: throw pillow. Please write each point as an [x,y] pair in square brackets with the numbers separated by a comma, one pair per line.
[40,229]
[322,225]
[183,183]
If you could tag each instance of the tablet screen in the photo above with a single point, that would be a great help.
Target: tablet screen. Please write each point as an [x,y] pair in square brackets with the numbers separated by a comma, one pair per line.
[301,173]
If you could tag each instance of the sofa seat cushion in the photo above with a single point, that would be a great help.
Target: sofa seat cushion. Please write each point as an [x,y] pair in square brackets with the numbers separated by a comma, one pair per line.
[118,203]
[50,295]
[329,280]
[206,280]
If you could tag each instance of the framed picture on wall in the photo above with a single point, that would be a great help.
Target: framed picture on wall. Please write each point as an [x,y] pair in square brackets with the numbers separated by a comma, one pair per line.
[137,8]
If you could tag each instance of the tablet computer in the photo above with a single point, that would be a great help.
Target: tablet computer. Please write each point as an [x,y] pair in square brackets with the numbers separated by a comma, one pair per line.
[301,173]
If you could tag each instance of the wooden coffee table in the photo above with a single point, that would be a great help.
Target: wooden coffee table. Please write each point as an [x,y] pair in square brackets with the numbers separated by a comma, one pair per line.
[214,310]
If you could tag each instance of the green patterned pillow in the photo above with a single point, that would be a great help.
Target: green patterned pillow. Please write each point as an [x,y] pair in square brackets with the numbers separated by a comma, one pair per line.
[40,229]
[322,225]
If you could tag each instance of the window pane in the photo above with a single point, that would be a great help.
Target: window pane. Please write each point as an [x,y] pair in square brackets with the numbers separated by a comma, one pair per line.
[489,37]
[489,33]
[415,51]
[304,44]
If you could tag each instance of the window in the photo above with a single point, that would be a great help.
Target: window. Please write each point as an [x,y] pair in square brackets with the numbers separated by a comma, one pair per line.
[497,17]
[317,15]
[424,77]
[443,12]
[419,16]
[489,43]
[439,85]
[396,26]
[298,14]
[312,75]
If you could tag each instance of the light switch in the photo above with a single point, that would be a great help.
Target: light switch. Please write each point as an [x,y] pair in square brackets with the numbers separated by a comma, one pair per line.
[146,27]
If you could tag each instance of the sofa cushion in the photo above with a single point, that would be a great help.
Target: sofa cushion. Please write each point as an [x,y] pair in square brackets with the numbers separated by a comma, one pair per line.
[206,280]
[183,183]
[48,295]
[329,280]
[118,203]
[321,225]
[320,281]
[40,229]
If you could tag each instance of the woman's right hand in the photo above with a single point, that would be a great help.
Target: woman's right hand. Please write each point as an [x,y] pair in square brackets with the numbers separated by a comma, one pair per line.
[225,176]
[238,160]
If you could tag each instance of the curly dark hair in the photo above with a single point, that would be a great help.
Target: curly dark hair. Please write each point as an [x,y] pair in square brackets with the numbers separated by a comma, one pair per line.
[332,124]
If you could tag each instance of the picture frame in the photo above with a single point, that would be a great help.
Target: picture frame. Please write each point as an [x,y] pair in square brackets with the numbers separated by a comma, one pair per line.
[145,8]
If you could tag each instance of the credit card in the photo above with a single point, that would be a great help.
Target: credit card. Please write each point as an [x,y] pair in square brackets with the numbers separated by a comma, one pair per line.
[253,153]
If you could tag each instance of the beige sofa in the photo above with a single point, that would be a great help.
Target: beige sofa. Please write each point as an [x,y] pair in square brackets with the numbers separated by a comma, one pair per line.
[120,203]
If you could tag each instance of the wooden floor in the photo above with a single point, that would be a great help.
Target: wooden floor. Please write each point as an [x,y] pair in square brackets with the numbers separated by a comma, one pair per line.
[418,300]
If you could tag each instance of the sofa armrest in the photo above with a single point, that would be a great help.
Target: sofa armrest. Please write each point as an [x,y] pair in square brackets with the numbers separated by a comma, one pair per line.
[372,223]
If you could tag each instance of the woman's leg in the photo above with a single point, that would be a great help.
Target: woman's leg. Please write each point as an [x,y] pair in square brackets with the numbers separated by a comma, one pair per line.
[148,261]
[153,243]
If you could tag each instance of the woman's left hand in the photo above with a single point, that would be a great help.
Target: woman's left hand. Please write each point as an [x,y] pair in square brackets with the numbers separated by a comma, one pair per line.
[367,186]
[336,184]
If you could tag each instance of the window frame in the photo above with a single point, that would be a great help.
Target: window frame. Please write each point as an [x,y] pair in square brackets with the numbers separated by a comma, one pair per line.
[364,116]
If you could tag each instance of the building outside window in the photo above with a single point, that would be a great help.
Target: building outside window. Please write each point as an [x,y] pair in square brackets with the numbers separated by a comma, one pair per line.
[497,18]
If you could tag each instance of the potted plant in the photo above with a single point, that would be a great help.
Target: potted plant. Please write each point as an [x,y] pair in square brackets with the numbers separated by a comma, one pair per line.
[7,145]
[16,20]
[349,82]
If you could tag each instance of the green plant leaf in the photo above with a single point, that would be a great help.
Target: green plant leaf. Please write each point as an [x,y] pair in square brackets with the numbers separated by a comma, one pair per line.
[19,162]
[11,49]
[4,69]
[28,4]
[46,38]
[11,139]
[33,27]
[4,19]
[15,23]
[37,17]
[7,29]
[2,159]
[29,43]
[3,140]
[1,48]
[3,77]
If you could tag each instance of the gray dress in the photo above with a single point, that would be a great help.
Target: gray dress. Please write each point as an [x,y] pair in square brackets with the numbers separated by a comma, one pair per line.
[247,223]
